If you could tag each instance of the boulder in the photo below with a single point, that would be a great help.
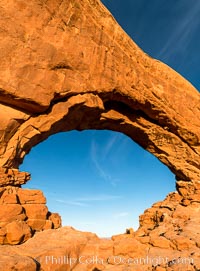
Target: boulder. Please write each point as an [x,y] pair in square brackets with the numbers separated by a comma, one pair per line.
[36,211]
[17,232]
[11,212]
[55,218]
[31,196]
[23,211]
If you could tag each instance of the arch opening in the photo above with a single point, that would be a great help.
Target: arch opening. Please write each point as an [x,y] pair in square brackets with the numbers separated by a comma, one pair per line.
[98,181]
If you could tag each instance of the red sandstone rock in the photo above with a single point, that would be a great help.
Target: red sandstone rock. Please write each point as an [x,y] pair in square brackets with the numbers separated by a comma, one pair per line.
[11,212]
[8,198]
[67,249]
[27,196]
[23,212]
[35,211]
[122,89]
[48,225]
[56,220]
[49,84]
[17,232]
[129,247]
[37,224]
[160,242]
[183,243]
[188,190]
[13,177]
[17,262]
[2,235]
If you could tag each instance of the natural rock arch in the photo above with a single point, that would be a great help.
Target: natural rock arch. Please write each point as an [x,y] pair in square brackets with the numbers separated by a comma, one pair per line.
[68,65]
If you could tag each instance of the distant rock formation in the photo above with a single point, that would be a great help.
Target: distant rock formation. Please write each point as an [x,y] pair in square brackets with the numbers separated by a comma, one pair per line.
[68,65]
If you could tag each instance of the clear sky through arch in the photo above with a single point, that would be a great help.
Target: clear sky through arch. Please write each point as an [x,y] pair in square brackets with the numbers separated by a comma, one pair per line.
[99,181]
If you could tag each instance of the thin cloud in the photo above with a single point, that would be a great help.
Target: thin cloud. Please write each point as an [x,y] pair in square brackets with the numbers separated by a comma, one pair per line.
[82,201]
[73,202]
[100,198]
[182,32]
[111,142]
[102,173]
[98,156]
[112,151]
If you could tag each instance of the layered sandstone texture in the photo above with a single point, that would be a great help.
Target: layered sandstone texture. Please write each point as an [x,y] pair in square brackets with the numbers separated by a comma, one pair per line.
[67,64]
[22,211]
[71,250]
[168,239]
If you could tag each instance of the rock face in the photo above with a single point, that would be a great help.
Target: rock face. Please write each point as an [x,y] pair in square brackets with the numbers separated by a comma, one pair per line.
[71,250]
[13,177]
[68,65]
[23,212]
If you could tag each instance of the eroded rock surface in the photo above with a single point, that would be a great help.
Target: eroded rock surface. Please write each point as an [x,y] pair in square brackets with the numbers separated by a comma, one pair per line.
[13,177]
[168,238]
[68,65]
[22,213]
[68,249]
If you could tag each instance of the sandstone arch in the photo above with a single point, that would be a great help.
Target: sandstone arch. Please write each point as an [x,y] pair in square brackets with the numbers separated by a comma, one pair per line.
[68,65]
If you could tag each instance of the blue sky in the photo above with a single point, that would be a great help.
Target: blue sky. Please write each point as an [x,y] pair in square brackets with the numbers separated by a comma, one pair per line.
[165,29]
[101,181]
